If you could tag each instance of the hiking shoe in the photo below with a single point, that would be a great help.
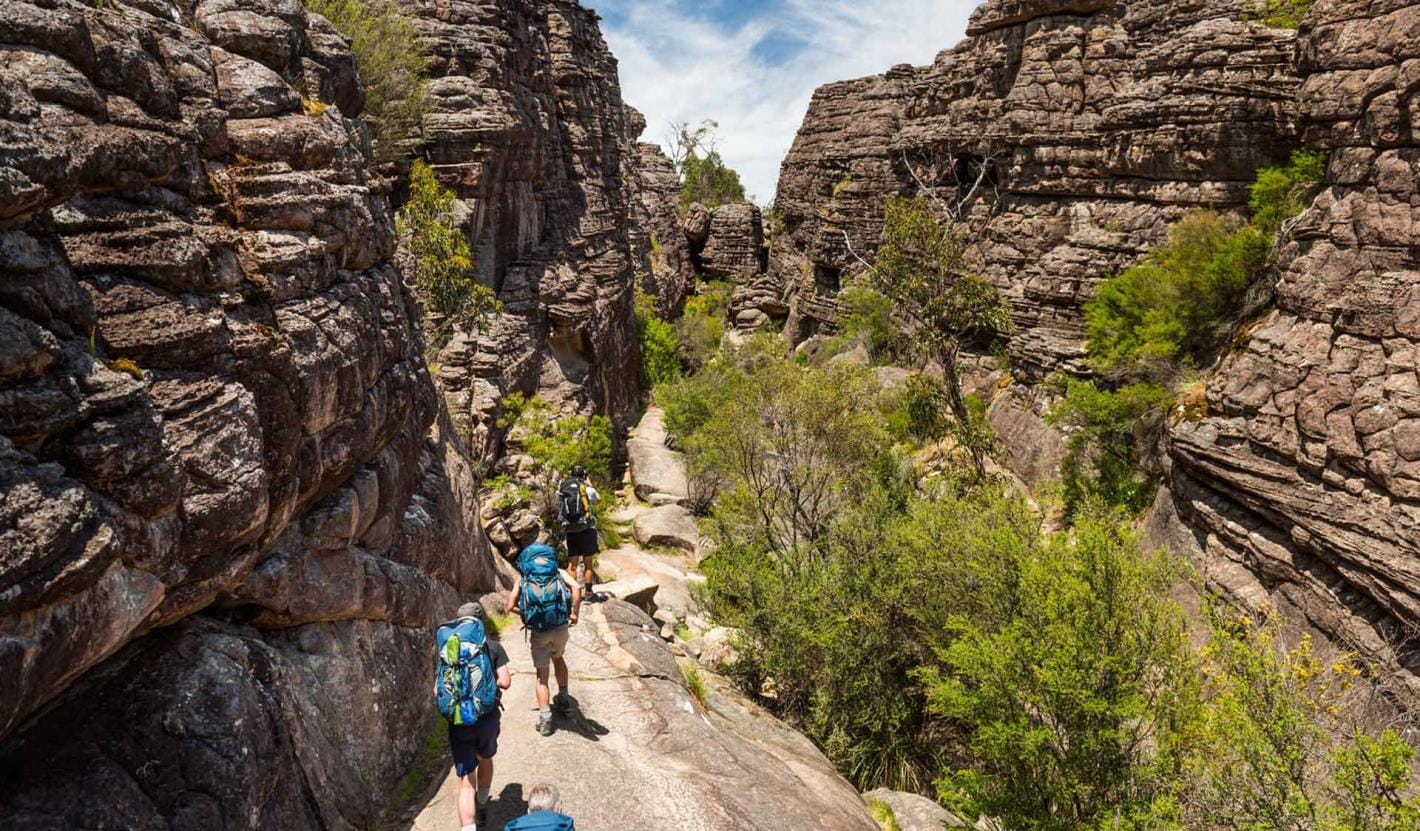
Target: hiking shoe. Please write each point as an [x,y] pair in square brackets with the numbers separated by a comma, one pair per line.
[544,725]
[562,703]
[480,817]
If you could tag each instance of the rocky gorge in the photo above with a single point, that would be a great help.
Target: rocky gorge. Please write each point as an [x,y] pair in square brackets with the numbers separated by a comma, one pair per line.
[236,493]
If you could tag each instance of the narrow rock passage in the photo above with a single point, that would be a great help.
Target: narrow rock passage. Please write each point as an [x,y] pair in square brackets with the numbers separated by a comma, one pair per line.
[640,752]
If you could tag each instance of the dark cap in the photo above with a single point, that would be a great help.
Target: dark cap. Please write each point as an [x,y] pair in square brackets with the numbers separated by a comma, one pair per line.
[471,609]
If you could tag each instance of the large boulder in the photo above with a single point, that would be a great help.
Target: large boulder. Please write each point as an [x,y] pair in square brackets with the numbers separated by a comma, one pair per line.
[657,472]
[669,526]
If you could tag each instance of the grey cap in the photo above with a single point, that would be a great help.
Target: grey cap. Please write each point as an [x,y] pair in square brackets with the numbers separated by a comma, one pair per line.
[471,609]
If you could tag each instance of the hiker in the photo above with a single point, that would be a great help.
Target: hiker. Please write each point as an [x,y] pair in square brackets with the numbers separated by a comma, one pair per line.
[544,812]
[468,687]
[549,600]
[575,500]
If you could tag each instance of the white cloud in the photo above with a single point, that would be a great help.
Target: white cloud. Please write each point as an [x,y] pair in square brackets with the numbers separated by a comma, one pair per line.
[678,67]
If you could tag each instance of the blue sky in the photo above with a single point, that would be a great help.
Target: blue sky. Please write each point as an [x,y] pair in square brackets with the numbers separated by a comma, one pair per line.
[752,65]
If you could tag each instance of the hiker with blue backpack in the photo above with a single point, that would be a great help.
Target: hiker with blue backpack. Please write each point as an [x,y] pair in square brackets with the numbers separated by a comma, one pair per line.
[576,501]
[468,688]
[544,812]
[548,599]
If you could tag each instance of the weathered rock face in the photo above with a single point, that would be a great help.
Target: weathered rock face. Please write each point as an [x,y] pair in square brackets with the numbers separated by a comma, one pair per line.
[656,236]
[214,418]
[532,135]
[1071,132]
[1302,485]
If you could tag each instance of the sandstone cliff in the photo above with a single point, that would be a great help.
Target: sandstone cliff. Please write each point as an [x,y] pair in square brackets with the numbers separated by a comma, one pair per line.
[231,508]
[532,135]
[1302,484]
[1090,125]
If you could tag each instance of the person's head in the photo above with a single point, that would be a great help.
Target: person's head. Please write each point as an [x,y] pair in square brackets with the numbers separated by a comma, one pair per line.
[544,797]
[579,472]
[471,609]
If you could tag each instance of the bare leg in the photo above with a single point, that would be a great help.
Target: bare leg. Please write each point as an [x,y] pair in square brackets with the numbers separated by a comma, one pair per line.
[559,665]
[485,773]
[577,566]
[544,696]
[467,801]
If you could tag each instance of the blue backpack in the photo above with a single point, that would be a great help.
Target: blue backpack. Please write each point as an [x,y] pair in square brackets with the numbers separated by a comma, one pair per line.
[541,821]
[545,601]
[465,684]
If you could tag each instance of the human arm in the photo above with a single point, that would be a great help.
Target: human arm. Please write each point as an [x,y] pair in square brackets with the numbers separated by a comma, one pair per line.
[576,588]
[514,595]
[500,669]
[592,495]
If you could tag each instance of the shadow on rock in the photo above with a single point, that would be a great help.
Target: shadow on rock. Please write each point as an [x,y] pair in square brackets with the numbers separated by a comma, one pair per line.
[577,722]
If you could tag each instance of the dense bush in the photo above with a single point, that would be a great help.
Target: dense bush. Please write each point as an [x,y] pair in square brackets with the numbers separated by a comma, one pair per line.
[918,412]
[1103,463]
[392,68]
[1282,192]
[556,442]
[864,316]
[660,347]
[1281,14]
[702,326]
[1169,309]
[443,262]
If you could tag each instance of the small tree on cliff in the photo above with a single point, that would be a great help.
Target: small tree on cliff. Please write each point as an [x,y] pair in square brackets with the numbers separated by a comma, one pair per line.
[704,176]
[921,265]
[443,261]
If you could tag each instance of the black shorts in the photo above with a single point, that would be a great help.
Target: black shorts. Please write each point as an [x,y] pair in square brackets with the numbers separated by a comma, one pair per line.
[582,543]
[470,741]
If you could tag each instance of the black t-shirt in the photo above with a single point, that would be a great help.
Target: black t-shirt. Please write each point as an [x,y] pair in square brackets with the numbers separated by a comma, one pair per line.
[499,656]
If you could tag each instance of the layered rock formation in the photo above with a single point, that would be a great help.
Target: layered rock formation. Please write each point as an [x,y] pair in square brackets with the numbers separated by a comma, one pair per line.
[532,135]
[1070,134]
[225,523]
[1301,487]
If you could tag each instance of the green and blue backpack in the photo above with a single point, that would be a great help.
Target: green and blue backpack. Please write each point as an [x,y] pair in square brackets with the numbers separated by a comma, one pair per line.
[465,683]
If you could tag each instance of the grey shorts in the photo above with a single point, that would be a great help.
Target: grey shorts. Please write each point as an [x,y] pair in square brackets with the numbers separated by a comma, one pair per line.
[548,645]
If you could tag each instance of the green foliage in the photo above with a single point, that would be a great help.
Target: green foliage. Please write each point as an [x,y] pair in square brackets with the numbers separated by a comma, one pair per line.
[883,815]
[1173,309]
[1103,462]
[1064,681]
[1279,746]
[702,327]
[1170,309]
[865,316]
[918,412]
[921,266]
[708,180]
[444,273]
[695,682]
[1281,14]
[660,346]
[392,68]
[704,176]
[556,442]
[1282,192]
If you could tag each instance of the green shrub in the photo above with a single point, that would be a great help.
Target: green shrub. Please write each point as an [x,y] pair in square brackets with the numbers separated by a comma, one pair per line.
[1282,192]
[392,68]
[1103,460]
[708,180]
[1068,686]
[660,347]
[917,413]
[1281,14]
[1169,309]
[702,327]
[443,262]
[865,316]
[556,442]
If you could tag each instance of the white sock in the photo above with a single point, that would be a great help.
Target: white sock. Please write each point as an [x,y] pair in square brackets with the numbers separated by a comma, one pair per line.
[547,713]
[469,828]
